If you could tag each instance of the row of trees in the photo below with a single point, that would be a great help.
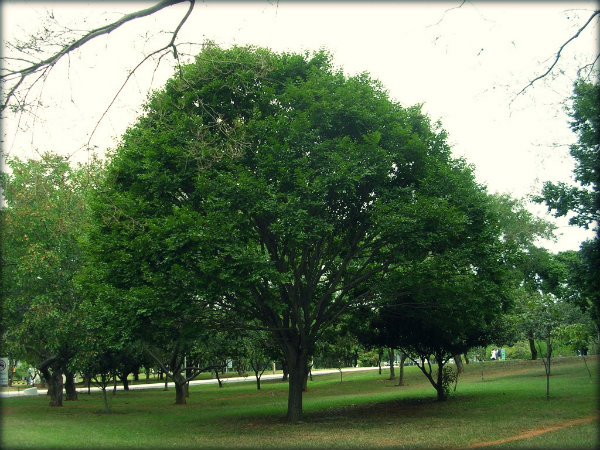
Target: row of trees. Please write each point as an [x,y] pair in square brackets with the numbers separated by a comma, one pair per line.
[268,196]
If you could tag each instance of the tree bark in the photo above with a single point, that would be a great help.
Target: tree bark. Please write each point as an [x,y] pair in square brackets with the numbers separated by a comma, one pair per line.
[401,376]
[548,353]
[305,381]
[125,381]
[179,389]
[459,365]
[532,348]
[70,389]
[55,386]
[11,372]
[104,383]
[297,374]
[391,358]
[285,370]
[441,395]
[547,366]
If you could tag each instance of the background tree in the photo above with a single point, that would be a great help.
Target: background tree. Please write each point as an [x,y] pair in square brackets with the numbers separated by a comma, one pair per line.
[258,350]
[582,201]
[143,263]
[42,222]
[455,296]
[337,348]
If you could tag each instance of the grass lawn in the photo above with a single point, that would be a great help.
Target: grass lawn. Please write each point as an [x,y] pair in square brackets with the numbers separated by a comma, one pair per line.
[496,405]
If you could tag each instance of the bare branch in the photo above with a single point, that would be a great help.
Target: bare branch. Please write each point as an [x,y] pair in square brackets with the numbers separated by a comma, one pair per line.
[558,54]
[446,12]
[52,60]
[588,67]
[171,44]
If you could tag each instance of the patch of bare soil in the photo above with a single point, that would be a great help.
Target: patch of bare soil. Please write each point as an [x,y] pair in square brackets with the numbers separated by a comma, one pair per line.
[533,433]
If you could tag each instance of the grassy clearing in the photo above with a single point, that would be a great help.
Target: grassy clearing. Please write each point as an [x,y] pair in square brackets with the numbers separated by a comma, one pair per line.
[366,410]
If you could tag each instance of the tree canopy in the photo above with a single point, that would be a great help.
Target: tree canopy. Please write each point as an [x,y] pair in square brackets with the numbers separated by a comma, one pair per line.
[273,186]
[44,215]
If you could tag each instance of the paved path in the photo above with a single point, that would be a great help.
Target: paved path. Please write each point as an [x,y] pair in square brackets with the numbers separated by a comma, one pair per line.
[194,382]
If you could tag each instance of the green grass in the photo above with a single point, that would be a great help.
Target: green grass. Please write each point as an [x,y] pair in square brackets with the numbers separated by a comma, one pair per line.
[366,410]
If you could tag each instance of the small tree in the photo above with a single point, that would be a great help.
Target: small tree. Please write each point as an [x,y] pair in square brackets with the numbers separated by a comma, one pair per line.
[552,317]
[46,210]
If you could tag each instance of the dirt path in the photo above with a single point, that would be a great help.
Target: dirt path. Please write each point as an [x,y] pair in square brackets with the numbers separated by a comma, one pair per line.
[529,434]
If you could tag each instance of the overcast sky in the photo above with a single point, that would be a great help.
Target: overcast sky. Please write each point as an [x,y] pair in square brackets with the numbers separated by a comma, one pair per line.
[465,64]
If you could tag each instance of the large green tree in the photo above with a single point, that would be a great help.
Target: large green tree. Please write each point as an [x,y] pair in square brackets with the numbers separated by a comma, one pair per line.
[582,201]
[452,299]
[41,254]
[271,185]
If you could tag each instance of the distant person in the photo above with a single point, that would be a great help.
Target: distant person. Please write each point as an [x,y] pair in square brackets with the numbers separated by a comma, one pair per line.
[499,354]
[494,354]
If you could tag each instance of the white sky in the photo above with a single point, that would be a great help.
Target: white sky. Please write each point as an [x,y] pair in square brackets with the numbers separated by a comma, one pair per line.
[465,64]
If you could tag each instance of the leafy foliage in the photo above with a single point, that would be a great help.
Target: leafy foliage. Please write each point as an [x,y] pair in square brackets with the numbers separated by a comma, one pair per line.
[584,200]
[42,223]
[273,187]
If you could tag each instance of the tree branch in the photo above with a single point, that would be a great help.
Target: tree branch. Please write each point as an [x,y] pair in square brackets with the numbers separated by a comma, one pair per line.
[175,54]
[446,12]
[558,54]
[52,60]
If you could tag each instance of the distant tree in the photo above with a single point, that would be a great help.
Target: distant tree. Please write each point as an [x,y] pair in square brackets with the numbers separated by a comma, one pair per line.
[258,349]
[582,201]
[456,296]
[551,318]
[45,212]
[337,348]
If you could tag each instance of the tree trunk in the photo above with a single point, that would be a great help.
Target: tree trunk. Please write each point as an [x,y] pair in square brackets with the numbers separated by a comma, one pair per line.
[55,387]
[70,389]
[125,381]
[391,358]
[305,381]
[11,372]
[285,370]
[218,379]
[297,375]
[441,394]
[532,348]
[179,389]
[459,365]
[466,358]
[104,382]
[547,366]
[380,357]
[401,376]
[548,353]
